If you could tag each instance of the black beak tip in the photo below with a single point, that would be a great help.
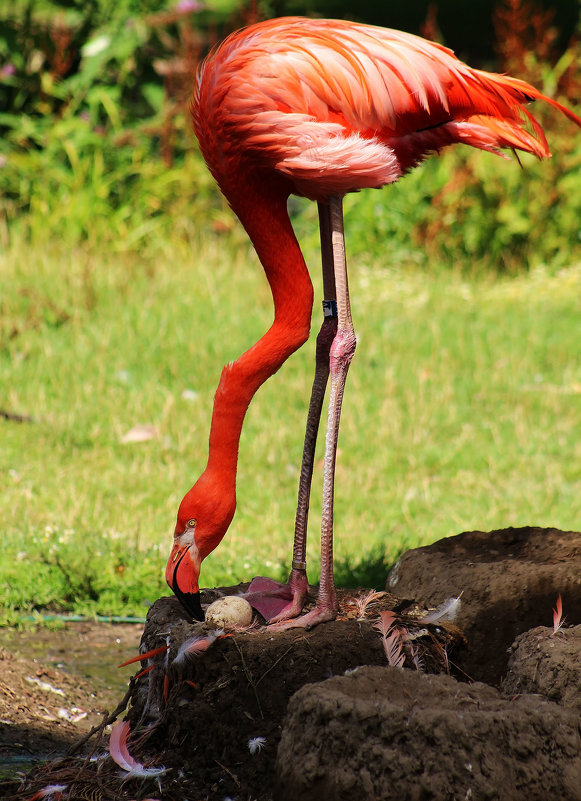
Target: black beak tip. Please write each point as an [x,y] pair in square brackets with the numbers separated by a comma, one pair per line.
[191,603]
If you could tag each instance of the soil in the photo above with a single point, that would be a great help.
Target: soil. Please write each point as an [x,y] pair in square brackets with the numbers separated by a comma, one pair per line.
[55,685]
[546,663]
[264,716]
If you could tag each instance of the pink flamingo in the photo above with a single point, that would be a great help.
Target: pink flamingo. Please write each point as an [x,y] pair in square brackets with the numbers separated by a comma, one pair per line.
[318,108]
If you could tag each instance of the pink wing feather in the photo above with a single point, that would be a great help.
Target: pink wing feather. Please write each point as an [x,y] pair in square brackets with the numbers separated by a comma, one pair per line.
[120,752]
[337,106]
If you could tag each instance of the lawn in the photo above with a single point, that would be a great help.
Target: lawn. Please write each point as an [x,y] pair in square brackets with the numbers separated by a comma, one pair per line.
[462,411]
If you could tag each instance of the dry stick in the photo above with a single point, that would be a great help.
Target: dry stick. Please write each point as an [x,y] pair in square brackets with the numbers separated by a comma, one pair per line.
[229,772]
[16,418]
[275,663]
[107,720]
[249,678]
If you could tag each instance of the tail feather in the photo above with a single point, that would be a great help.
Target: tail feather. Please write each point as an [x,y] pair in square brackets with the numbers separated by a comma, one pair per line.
[491,133]
[515,126]
[524,92]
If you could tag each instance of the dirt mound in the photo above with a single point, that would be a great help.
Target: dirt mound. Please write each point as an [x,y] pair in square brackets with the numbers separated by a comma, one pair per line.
[547,663]
[391,733]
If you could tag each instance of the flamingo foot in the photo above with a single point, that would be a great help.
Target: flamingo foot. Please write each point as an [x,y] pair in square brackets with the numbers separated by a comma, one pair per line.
[320,614]
[276,600]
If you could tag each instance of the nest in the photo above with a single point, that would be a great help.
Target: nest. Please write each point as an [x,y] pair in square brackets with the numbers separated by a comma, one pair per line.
[213,720]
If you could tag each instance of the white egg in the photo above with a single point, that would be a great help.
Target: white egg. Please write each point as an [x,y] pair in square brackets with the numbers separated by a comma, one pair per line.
[229,612]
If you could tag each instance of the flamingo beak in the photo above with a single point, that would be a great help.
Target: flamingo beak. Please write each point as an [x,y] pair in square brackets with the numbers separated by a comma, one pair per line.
[191,603]
[189,600]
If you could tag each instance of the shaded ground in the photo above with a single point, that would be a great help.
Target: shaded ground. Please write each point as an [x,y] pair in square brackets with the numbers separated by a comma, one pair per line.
[55,686]
[215,721]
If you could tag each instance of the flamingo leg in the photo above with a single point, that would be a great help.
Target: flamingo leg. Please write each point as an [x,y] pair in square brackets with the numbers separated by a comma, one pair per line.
[322,367]
[341,354]
[277,601]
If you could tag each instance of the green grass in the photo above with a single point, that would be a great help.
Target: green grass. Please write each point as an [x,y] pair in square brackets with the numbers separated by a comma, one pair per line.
[462,411]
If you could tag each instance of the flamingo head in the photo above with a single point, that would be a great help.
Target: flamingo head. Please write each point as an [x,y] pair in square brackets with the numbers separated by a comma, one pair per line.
[203,519]
[183,569]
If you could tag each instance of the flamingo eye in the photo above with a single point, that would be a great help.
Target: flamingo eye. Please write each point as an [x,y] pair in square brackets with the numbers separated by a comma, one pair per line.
[192,523]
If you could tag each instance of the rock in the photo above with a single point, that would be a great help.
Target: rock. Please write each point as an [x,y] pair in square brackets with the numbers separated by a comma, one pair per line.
[509,580]
[548,664]
[385,733]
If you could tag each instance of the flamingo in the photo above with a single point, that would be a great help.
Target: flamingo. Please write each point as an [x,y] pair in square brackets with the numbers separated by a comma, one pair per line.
[318,108]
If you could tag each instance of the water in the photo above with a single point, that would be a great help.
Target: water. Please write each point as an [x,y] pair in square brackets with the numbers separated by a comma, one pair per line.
[90,651]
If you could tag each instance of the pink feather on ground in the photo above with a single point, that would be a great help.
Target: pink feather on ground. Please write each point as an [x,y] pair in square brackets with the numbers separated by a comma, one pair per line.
[120,752]
[392,638]
[197,645]
[558,619]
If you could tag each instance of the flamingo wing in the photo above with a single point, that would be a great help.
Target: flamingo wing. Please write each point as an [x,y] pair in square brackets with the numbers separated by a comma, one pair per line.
[337,106]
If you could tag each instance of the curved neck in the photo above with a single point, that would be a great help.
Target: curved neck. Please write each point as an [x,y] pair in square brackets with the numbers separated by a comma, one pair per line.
[262,211]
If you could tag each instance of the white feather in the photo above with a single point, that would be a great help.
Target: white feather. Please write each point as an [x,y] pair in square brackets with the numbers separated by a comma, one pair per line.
[447,610]
[256,744]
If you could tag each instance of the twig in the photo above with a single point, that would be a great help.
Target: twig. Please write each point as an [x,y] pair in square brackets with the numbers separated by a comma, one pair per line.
[249,678]
[229,772]
[16,418]
[107,720]
[275,663]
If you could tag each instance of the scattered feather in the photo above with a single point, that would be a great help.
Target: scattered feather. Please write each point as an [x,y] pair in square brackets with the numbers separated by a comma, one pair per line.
[417,635]
[393,648]
[140,433]
[120,753]
[416,658]
[446,611]
[197,645]
[256,744]
[52,792]
[148,655]
[98,757]
[363,601]
[392,639]
[144,671]
[44,686]
[558,619]
[73,715]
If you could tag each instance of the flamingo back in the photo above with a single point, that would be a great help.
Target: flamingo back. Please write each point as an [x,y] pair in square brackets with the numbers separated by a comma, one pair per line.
[337,106]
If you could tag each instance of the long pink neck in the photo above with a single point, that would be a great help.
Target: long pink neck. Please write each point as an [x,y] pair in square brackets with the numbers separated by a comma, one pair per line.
[262,211]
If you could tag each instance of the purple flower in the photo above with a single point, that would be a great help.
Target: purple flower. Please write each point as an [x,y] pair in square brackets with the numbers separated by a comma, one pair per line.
[189,5]
[8,69]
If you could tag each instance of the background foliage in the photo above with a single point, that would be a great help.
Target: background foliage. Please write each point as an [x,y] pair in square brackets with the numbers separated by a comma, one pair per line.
[97,146]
